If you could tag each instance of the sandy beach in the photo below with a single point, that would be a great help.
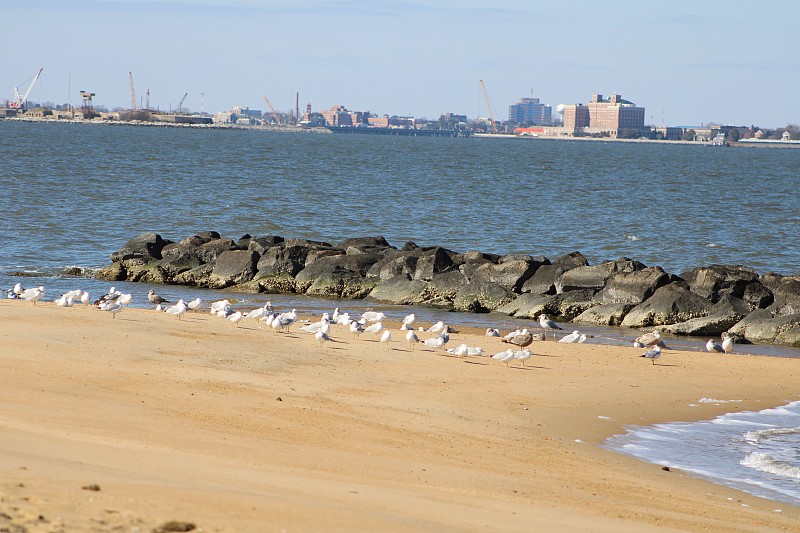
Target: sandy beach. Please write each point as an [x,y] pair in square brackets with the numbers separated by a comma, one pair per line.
[244,430]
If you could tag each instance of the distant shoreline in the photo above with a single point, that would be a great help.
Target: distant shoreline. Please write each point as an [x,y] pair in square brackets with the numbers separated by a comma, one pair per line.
[326,131]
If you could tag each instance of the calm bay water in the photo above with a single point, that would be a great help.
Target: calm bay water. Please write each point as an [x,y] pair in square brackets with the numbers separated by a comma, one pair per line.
[73,194]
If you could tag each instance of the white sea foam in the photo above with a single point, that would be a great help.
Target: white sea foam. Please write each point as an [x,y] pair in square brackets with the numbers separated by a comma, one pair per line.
[766,463]
[755,437]
[712,400]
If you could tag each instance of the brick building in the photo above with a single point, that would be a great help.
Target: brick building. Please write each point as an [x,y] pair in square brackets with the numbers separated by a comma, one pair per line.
[604,116]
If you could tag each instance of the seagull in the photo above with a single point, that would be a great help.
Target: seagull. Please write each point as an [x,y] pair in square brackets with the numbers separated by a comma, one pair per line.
[409,320]
[474,350]
[727,343]
[515,333]
[375,328]
[435,342]
[714,346]
[343,319]
[652,354]
[179,309]
[218,307]
[386,338]
[436,328]
[460,350]
[84,298]
[194,304]
[33,295]
[649,339]
[155,298]
[572,337]
[505,356]
[522,340]
[235,317]
[582,338]
[63,301]
[356,328]
[373,316]
[284,320]
[522,356]
[125,299]
[492,332]
[412,339]
[547,324]
[316,326]
[18,290]
[335,315]
[257,314]
[321,337]
[75,294]
[111,307]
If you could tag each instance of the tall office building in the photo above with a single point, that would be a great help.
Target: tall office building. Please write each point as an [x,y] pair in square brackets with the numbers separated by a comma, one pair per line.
[529,111]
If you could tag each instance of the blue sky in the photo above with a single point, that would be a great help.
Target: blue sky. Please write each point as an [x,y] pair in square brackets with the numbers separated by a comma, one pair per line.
[687,63]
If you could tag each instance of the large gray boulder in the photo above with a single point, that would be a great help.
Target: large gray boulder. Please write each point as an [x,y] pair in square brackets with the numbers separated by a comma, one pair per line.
[178,259]
[394,264]
[209,251]
[786,297]
[197,276]
[608,314]
[345,267]
[632,287]
[714,281]
[435,261]
[283,259]
[594,277]
[442,289]
[262,244]
[146,247]
[668,305]
[511,274]
[544,279]
[400,290]
[529,305]
[338,283]
[762,326]
[481,297]
[232,268]
[725,313]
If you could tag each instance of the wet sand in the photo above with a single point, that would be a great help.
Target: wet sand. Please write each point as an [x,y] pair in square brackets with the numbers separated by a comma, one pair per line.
[241,429]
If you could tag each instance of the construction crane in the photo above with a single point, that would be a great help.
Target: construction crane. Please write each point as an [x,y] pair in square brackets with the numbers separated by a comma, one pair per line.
[180,104]
[489,106]
[19,101]
[133,94]
[272,110]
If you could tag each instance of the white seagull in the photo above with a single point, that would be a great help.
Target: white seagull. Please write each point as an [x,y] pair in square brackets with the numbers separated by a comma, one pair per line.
[33,295]
[321,337]
[235,317]
[194,304]
[572,337]
[412,339]
[179,309]
[727,343]
[714,346]
[386,338]
[373,316]
[409,320]
[504,356]
[522,356]
[547,324]
[435,342]
[652,354]
[436,328]
[111,307]
[356,328]
[375,328]
[492,332]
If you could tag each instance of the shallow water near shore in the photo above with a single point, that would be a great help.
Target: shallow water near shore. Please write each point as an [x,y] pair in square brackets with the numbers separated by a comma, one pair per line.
[756,452]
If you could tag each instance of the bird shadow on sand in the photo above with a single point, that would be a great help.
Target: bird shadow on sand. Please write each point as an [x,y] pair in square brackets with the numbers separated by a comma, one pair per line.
[660,364]
[530,367]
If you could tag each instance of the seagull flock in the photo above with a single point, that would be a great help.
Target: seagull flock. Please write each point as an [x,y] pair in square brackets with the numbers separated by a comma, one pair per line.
[370,323]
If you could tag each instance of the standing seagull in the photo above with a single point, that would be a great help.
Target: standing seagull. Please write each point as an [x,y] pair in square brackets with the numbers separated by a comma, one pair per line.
[155,298]
[33,295]
[356,328]
[194,304]
[179,309]
[714,346]
[547,324]
[386,338]
[375,328]
[522,356]
[409,319]
[412,339]
[522,340]
[111,307]
[653,354]
[505,356]
[727,343]
[321,337]
[649,339]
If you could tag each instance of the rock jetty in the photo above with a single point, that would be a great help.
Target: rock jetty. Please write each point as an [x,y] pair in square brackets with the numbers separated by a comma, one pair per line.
[623,292]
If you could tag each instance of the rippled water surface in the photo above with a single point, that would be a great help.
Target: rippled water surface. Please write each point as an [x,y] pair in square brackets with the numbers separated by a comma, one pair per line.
[76,193]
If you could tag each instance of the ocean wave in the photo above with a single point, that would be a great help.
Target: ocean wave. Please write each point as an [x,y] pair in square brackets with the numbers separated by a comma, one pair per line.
[754,437]
[766,463]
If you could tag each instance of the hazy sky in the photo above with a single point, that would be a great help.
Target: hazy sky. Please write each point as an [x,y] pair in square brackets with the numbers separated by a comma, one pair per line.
[686,62]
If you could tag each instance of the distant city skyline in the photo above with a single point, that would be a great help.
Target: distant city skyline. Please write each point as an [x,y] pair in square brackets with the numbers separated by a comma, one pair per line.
[732,62]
